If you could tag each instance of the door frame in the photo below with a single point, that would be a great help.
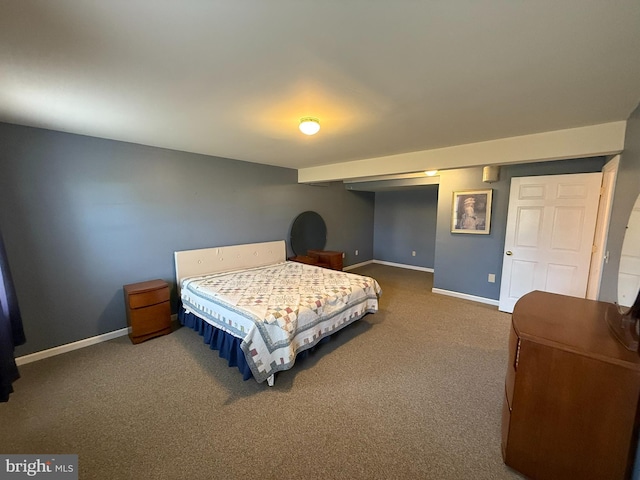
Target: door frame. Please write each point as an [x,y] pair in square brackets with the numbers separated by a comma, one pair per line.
[600,254]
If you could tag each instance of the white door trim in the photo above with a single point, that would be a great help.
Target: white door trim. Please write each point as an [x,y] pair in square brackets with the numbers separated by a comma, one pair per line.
[600,255]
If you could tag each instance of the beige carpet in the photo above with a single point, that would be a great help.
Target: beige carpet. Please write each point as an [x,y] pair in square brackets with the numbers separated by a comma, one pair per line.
[412,392]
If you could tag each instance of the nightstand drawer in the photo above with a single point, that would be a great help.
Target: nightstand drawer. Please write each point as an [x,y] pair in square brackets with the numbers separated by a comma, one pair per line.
[150,319]
[152,297]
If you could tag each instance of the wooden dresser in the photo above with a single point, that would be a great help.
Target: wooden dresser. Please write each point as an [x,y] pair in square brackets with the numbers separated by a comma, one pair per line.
[321,258]
[571,392]
[327,257]
[148,309]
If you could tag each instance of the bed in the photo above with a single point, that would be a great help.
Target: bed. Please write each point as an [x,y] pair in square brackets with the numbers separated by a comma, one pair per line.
[259,310]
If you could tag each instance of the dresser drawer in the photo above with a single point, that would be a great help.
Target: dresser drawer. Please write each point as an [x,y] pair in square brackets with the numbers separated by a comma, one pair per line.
[151,319]
[326,258]
[151,297]
[514,343]
[506,422]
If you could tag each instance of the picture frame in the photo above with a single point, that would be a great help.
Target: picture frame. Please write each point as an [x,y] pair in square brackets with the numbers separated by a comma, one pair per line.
[471,212]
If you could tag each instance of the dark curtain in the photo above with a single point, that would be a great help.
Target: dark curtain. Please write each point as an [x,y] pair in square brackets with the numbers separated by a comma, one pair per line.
[11,331]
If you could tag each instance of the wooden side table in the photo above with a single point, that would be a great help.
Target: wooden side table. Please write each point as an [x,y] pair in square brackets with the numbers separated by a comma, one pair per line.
[148,309]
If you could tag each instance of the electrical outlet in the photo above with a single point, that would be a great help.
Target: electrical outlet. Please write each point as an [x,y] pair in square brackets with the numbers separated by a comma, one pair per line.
[413,253]
[343,255]
[492,278]
[356,252]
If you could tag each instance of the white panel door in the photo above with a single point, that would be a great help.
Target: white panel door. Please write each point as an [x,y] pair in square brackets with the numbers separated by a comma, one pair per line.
[549,237]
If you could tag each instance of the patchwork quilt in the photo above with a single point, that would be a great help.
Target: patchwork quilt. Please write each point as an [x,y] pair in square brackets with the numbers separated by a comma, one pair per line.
[280,310]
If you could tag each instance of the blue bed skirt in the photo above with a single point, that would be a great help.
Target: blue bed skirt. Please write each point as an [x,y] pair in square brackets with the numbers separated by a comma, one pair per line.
[227,345]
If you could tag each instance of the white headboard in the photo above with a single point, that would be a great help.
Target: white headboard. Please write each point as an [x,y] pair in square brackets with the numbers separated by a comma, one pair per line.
[225,259]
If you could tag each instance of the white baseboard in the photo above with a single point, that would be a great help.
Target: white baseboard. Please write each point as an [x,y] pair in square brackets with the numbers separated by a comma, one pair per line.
[402,265]
[466,296]
[391,264]
[440,291]
[357,265]
[51,352]
[86,342]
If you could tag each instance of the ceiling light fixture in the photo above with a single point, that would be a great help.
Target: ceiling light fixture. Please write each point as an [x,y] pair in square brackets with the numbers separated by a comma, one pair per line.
[309,125]
[431,173]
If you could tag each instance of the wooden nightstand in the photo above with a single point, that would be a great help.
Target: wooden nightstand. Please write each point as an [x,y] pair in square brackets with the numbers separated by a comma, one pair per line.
[148,309]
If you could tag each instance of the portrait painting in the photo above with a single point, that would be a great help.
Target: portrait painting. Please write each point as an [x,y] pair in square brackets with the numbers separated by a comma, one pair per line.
[471,212]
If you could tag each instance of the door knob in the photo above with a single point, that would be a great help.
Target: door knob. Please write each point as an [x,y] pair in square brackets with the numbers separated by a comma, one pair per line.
[509,252]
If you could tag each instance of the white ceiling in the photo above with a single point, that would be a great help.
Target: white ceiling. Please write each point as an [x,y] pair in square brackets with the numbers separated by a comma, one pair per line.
[231,78]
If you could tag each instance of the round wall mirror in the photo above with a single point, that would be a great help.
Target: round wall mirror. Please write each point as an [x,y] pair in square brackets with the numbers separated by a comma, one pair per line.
[308,232]
[629,273]
[624,318]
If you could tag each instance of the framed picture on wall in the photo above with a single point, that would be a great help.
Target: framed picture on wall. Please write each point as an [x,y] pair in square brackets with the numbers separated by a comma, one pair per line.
[471,212]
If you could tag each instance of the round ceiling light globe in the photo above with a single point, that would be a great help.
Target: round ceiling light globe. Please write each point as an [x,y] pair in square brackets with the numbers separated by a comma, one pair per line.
[309,126]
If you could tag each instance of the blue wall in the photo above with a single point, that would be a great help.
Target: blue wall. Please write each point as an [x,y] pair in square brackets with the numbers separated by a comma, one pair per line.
[462,261]
[405,221]
[419,218]
[82,216]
